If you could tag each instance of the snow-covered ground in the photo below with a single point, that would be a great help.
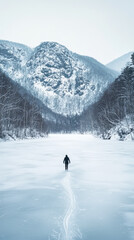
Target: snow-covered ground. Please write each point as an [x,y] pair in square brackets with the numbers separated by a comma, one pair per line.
[94,200]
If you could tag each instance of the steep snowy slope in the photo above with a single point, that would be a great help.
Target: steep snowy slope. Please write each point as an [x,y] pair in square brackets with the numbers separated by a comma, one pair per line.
[66,82]
[120,63]
[13,57]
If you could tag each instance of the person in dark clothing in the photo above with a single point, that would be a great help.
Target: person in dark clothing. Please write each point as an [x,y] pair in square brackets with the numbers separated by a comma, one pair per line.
[66,161]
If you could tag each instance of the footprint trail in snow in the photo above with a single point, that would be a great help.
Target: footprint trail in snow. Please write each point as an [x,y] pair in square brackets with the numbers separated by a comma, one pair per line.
[72,207]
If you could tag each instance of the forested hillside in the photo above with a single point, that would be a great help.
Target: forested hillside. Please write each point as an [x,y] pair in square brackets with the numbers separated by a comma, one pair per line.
[115,110]
[18,117]
[22,115]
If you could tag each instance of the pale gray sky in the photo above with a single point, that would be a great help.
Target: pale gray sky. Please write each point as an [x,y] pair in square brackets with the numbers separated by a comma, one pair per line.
[103,29]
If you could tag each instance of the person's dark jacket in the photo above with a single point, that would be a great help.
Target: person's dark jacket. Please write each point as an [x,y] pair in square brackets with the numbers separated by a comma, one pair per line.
[66,160]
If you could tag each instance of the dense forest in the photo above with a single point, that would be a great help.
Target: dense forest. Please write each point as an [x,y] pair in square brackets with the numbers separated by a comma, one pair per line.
[18,117]
[115,108]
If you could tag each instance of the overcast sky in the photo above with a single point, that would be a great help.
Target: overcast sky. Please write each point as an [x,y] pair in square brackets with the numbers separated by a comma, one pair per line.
[103,29]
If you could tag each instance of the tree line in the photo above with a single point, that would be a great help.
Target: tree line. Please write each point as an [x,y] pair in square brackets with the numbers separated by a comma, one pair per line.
[116,105]
[18,117]
[22,115]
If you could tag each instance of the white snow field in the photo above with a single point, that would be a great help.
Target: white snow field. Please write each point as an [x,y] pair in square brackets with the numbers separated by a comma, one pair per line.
[94,200]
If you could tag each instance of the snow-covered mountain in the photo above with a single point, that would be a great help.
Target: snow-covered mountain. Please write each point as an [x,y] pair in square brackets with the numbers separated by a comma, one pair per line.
[120,63]
[66,82]
[13,57]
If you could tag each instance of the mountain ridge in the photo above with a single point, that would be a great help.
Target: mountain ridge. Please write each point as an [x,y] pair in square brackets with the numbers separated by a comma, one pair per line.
[64,81]
[120,63]
[63,78]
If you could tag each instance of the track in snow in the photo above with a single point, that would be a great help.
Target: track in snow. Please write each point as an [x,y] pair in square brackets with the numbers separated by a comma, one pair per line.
[72,204]
[97,194]
[67,224]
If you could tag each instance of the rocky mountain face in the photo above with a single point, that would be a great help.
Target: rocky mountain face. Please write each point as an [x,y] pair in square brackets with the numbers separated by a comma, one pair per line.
[13,58]
[65,82]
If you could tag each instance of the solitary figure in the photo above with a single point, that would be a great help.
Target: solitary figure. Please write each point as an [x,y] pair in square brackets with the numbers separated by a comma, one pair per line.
[66,161]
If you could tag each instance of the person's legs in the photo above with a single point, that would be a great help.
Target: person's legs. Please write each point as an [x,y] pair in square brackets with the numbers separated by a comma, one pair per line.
[66,166]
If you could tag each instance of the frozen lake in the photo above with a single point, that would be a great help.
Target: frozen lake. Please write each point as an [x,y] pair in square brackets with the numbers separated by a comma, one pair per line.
[94,200]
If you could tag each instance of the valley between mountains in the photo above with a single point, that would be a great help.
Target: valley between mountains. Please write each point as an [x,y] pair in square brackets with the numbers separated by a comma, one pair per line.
[62,89]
